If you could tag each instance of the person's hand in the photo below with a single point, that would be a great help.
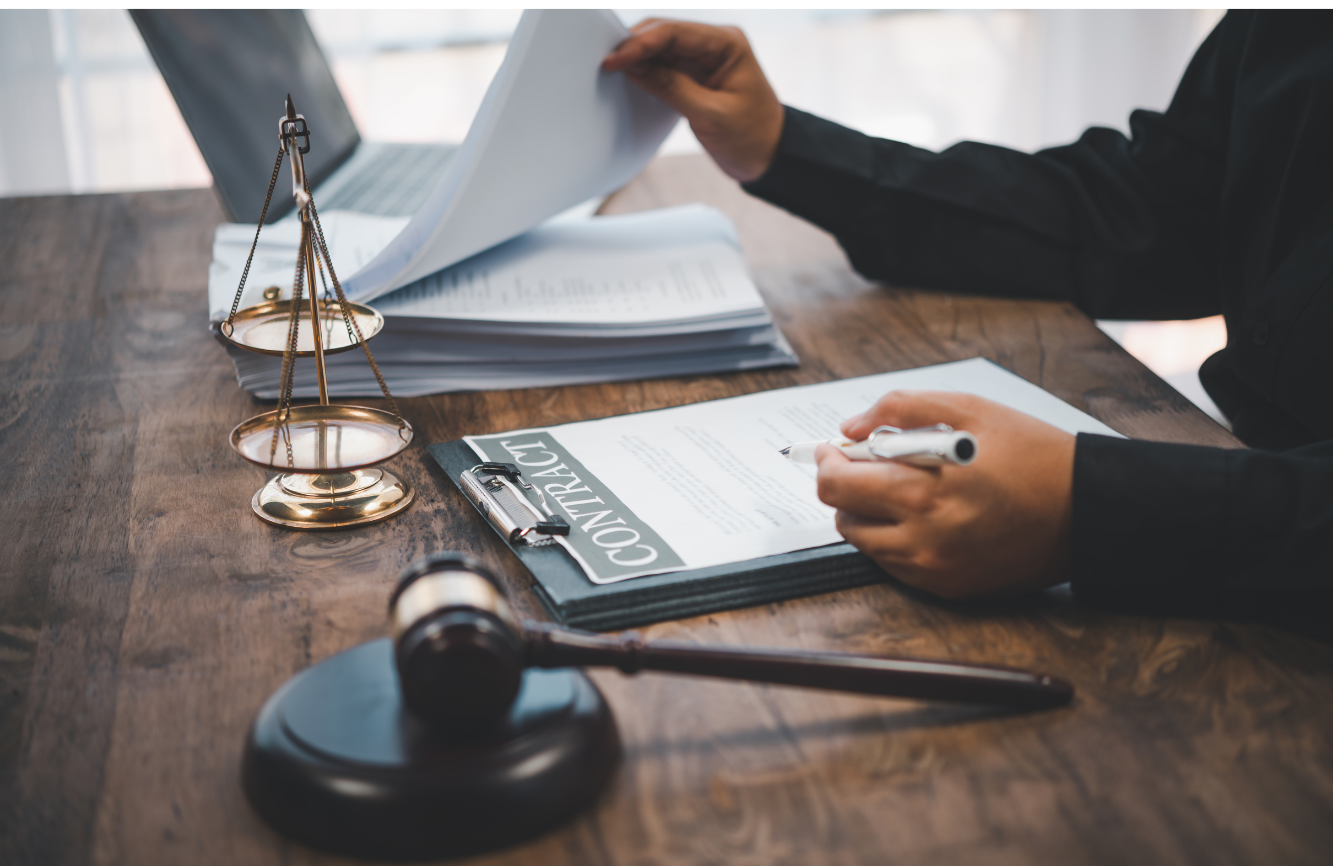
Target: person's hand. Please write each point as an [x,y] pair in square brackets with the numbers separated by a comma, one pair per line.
[710,75]
[999,526]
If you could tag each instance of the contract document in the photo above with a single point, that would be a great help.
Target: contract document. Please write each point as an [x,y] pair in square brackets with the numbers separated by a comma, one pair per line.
[705,485]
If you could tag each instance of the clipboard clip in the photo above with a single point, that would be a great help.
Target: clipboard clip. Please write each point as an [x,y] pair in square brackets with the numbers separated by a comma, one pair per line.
[496,489]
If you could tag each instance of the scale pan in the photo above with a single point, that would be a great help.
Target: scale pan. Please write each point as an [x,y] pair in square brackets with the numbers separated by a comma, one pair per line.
[263,328]
[324,439]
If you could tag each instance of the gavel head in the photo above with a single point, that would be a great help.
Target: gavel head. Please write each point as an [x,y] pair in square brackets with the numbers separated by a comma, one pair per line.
[458,649]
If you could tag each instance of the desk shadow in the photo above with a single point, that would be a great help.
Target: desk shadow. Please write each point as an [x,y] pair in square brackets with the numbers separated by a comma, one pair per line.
[864,724]
[1307,614]
[1053,599]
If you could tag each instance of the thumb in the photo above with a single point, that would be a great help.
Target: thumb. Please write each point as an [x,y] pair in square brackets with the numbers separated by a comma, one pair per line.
[675,88]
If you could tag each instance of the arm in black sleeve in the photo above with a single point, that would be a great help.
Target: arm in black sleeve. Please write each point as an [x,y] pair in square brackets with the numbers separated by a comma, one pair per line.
[1125,228]
[1183,526]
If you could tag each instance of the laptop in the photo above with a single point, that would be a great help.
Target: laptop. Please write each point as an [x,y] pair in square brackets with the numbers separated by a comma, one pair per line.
[229,71]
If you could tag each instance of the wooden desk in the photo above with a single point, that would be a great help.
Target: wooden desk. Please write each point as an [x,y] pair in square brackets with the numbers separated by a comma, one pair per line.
[145,613]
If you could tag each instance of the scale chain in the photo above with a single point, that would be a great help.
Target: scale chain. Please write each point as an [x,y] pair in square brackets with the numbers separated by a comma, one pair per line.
[268,197]
[347,318]
[328,299]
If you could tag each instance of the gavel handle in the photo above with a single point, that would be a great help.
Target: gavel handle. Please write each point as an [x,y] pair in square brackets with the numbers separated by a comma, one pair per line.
[553,647]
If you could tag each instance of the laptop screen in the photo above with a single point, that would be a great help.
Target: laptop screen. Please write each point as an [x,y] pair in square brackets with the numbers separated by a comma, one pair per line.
[230,71]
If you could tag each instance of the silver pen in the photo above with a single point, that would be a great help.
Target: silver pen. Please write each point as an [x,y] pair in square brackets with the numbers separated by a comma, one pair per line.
[925,446]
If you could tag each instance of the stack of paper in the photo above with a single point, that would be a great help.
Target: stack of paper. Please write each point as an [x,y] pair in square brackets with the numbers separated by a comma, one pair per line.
[610,298]
[661,293]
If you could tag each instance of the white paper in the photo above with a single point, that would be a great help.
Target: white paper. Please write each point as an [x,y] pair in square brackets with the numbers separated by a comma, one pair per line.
[707,479]
[553,130]
[680,264]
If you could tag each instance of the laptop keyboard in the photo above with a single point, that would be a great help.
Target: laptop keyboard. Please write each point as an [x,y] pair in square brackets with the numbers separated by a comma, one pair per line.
[386,179]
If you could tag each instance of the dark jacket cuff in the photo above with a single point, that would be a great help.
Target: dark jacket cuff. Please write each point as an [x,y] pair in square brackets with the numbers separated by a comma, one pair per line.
[1150,522]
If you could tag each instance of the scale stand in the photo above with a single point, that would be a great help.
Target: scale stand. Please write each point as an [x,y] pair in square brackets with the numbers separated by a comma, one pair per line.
[326,453]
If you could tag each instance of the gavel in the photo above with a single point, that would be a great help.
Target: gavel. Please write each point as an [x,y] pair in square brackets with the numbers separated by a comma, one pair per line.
[450,740]
[460,654]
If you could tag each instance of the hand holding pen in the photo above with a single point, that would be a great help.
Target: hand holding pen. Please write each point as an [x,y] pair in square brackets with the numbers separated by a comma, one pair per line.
[995,522]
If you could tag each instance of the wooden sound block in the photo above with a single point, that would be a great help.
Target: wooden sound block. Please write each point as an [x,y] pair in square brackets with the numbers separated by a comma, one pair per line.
[334,760]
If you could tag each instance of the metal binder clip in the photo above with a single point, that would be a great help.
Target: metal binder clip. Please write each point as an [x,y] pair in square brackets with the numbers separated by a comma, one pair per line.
[494,489]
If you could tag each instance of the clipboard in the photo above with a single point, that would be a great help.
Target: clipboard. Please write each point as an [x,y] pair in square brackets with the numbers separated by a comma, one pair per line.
[571,599]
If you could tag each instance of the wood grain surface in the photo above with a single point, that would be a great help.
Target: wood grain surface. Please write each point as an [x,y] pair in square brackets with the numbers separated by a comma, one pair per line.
[145,613]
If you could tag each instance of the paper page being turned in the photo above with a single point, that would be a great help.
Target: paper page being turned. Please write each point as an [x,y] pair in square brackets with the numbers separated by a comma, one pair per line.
[704,485]
[553,130]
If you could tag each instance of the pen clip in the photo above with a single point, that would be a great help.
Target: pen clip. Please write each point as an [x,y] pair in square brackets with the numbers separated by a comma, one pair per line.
[898,431]
[934,428]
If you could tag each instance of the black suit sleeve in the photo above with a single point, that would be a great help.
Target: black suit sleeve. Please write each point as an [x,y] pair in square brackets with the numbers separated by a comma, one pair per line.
[1123,227]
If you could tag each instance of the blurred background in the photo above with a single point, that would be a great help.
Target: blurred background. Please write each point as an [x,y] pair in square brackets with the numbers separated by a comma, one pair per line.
[84,109]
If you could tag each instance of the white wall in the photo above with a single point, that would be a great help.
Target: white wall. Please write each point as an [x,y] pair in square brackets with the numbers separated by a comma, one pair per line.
[32,140]
[1095,66]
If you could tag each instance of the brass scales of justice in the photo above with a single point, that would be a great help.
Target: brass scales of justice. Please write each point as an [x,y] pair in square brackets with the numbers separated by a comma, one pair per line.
[326,454]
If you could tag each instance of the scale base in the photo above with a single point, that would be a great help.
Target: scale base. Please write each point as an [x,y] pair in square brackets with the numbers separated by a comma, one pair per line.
[334,760]
[335,501]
